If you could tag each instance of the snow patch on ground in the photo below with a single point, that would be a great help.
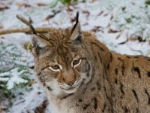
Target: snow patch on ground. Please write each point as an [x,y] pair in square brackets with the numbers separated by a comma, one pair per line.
[114,22]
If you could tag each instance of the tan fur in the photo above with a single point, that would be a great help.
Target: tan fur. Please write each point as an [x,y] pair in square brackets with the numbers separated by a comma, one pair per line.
[105,82]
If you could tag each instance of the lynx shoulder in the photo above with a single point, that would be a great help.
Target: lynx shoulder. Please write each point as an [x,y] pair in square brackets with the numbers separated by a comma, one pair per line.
[81,75]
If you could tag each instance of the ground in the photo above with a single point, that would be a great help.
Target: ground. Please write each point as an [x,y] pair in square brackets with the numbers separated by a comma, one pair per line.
[123,25]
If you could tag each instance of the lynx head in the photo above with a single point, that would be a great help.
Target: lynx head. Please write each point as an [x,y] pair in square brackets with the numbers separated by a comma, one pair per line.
[60,59]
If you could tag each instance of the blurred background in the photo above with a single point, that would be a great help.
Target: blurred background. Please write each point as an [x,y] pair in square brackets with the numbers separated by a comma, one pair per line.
[123,25]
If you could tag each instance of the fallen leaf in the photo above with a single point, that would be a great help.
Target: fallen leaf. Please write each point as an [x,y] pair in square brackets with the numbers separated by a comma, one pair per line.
[23,5]
[2,37]
[1,27]
[112,31]
[2,8]
[48,17]
[96,29]
[31,83]
[132,39]
[72,19]
[41,4]
[149,42]
[52,15]
[100,13]
[28,46]
[86,12]
[140,39]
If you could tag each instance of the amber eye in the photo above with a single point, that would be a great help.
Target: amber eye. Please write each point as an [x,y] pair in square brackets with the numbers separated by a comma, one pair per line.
[55,68]
[76,62]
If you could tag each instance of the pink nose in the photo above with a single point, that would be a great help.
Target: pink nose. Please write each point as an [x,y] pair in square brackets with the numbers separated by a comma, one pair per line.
[68,77]
[70,83]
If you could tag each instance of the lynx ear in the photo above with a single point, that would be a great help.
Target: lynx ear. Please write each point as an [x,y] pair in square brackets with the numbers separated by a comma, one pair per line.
[76,35]
[39,44]
[38,41]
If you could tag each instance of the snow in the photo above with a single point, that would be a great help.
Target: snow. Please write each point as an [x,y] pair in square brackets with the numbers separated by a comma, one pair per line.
[115,23]
[28,101]
[15,79]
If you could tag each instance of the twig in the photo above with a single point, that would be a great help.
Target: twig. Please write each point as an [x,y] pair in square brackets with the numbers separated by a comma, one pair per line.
[27,30]
[27,22]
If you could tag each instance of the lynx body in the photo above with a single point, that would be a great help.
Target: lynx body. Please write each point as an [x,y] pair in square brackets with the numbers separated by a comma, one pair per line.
[81,75]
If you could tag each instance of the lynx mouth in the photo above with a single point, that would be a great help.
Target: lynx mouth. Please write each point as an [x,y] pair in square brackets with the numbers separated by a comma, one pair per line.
[71,89]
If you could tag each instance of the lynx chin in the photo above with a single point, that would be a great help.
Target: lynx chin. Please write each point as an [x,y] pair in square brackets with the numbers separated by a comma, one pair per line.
[81,75]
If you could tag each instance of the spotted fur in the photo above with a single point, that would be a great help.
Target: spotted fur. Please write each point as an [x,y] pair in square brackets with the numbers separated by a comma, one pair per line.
[81,75]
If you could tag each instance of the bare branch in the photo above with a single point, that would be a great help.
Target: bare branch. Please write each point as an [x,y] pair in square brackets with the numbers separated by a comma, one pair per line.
[27,30]
[30,30]
[27,22]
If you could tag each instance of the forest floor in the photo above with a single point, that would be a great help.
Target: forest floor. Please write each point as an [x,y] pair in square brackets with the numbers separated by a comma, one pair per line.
[123,25]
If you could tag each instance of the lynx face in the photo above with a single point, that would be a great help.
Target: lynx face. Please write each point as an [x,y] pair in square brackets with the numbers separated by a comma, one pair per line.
[60,60]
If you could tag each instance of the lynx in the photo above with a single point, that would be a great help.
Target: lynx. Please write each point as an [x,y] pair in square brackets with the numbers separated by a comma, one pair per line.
[81,75]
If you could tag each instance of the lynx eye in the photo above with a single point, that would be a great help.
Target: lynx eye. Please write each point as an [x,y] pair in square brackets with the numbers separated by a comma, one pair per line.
[55,68]
[77,62]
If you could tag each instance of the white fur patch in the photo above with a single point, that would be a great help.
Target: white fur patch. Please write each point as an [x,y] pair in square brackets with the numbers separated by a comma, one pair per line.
[56,90]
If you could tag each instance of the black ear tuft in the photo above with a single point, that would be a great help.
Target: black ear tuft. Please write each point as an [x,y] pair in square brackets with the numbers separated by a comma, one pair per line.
[77,17]
[77,21]
[32,29]
[76,35]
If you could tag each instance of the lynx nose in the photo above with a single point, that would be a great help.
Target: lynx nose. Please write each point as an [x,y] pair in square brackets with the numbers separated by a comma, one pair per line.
[69,79]
[70,83]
